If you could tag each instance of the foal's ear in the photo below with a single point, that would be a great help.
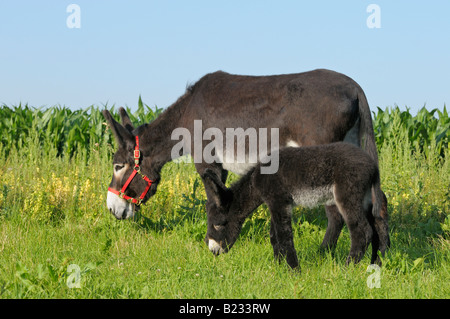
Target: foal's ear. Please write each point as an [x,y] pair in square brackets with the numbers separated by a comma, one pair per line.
[216,189]
[126,122]
[122,135]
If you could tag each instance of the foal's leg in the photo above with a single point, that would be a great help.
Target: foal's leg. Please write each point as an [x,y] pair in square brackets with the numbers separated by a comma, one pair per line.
[350,202]
[335,224]
[274,240]
[375,236]
[281,226]
[380,239]
[360,233]
[382,231]
[381,225]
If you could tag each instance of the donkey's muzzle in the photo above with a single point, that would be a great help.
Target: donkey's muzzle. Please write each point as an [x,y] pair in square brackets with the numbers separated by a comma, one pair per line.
[215,247]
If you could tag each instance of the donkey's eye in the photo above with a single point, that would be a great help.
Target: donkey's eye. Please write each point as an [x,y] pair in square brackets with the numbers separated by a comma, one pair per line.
[118,167]
[219,227]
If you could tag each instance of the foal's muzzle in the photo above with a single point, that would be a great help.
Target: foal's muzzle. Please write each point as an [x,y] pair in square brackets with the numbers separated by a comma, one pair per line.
[215,247]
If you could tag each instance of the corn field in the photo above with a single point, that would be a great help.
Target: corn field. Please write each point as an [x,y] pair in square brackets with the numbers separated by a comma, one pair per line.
[425,131]
[69,132]
[61,129]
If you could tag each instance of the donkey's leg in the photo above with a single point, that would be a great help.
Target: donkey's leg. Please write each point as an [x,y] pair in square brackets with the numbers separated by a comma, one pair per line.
[382,227]
[360,233]
[274,240]
[382,231]
[282,225]
[350,202]
[380,239]
[335,224]
[375,236]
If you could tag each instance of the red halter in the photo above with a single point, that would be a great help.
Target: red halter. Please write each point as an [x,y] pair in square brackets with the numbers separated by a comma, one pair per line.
[137,170]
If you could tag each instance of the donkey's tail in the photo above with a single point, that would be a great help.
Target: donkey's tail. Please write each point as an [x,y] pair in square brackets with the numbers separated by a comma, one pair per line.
[367,143]
[379,200]
[366,134]
[377,196]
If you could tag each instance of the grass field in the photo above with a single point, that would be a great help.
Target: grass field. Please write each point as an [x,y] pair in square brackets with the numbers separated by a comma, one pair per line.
[57,239]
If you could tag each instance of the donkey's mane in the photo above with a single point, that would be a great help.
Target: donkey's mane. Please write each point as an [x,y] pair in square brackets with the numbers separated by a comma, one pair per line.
[159,129]
[141,128]
[191,88]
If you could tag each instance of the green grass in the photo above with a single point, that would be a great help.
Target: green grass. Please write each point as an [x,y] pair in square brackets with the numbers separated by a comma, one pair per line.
[127,260]
[53,215]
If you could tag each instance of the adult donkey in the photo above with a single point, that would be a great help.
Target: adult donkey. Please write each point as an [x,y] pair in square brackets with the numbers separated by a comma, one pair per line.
[310,108]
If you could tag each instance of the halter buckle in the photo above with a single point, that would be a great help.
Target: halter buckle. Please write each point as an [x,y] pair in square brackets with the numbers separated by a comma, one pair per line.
[137,156]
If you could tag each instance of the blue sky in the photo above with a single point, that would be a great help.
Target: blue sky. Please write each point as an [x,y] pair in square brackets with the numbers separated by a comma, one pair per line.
[154,48]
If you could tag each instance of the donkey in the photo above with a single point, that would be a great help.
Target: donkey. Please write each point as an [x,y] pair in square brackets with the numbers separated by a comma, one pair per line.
[309,108]
[338,174]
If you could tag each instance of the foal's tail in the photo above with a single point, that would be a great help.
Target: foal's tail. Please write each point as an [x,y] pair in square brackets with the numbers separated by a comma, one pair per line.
[377,196]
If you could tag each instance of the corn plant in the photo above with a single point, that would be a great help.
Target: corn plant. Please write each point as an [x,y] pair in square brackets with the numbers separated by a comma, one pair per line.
[425,131]
[62,129]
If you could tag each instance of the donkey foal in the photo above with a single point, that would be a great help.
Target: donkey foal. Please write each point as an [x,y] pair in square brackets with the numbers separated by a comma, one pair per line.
[338,174]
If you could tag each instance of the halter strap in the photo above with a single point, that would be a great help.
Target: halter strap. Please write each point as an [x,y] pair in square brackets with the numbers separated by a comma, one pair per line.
[137,170]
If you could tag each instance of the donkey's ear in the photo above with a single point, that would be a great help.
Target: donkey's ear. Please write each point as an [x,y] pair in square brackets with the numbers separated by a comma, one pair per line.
[215,188]
[122,135]
[126,122]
